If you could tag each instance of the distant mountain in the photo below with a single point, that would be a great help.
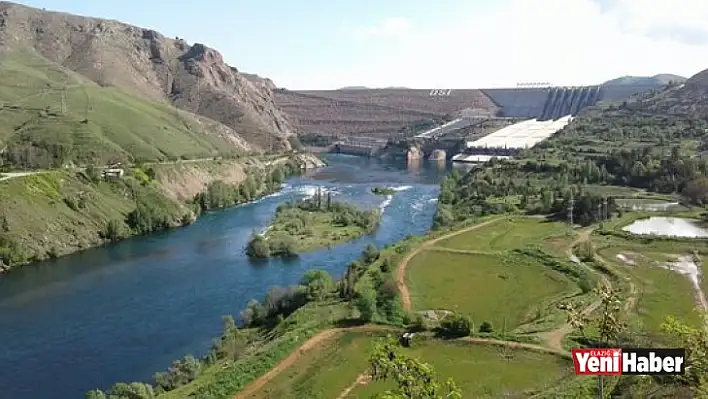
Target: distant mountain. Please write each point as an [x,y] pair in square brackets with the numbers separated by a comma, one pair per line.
[656,80]
[688,100]
[354,88]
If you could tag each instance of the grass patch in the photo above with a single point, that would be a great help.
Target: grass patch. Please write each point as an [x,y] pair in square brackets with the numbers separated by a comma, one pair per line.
[325,372]
[662,292]
[100,124]
[505,234]
[482,371]
[499,289]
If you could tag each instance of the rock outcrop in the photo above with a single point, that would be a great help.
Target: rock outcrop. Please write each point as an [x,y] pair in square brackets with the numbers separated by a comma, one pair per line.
[438,155]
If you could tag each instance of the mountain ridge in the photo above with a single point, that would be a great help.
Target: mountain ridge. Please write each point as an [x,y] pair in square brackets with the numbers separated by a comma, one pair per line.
[103,53]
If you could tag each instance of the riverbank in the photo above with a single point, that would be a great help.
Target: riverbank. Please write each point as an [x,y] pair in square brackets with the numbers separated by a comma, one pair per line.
[60,212]
[313,223]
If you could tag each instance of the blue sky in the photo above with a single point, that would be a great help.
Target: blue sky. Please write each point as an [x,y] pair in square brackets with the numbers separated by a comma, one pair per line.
[321,44]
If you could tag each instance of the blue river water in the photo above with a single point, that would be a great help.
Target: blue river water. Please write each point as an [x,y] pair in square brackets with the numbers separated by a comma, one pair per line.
[124,311]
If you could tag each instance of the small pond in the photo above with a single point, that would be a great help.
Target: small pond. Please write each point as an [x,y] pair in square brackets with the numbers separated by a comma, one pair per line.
[648,205]
[667,226]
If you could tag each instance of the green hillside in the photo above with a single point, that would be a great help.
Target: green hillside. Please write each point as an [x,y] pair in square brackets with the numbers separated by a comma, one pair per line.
[95,124]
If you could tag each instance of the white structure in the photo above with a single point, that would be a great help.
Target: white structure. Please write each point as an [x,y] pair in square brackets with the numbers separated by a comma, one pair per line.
[524,134]
[476,158]
[443,128]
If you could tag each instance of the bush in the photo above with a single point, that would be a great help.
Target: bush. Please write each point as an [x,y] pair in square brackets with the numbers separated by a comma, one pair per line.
[455,325]
[317,284]
[258,247]
[113,231]
[180,373]
[418,324]
[486,327]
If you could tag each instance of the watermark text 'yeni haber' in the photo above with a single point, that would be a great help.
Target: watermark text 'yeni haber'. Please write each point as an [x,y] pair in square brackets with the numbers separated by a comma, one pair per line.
[631,361]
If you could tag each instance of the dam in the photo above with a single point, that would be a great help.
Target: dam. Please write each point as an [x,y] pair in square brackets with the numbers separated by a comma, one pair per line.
[548,103]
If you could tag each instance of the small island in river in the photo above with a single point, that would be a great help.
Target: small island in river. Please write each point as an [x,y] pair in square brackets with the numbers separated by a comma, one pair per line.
[310,224]
[383,191]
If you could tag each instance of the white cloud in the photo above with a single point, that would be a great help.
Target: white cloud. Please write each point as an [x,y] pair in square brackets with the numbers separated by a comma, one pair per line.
[388,28]
[558,41]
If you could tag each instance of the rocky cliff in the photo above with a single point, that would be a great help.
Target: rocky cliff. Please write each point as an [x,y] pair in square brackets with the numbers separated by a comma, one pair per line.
[194,77]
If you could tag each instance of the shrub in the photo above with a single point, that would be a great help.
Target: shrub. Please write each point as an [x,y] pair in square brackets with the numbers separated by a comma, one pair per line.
[258,247]
[486,327]
[455,325]
[113,231]
[180,373]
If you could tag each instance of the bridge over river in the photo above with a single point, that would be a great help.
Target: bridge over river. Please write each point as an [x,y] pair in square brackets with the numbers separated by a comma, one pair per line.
[359,145]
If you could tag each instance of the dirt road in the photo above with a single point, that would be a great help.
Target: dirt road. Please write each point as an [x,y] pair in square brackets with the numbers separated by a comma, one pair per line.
[12,175]
[308,346]
[401,269]
[324,336]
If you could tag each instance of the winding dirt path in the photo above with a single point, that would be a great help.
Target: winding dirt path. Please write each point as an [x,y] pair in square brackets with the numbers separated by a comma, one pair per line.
[308,346]
[401,269]
[554,338]
[362,379]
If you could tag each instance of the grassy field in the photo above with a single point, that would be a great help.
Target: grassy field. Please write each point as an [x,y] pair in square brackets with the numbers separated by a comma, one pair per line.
[99,124]
[479,370]
[506,234]
[499,289]
[324,373]
[483,371]
[662,292]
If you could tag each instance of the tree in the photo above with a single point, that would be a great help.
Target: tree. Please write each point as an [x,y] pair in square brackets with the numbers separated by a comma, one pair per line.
[695,340]
[96,394]
[258,247]
[575,318]
[609,326]
[133,390]
[317,283]
[413,378]
[370,254]
[456,325]
[365,302]
[232,341]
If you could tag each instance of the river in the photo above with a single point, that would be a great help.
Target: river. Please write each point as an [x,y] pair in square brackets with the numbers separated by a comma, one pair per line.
[124,311]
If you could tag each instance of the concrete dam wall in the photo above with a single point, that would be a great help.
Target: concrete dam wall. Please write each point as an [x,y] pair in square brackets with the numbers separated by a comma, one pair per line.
[519,103]
[564,101]
[555,102]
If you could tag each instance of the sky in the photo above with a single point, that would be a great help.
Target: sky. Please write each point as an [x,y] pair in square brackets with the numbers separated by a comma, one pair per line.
[327,44]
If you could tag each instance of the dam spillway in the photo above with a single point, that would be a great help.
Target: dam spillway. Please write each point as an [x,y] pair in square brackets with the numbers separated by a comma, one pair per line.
[564,101]
[549,103]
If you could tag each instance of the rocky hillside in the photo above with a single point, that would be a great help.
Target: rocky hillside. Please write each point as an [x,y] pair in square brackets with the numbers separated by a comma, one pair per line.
[689,99]
[656,80]
[84,57]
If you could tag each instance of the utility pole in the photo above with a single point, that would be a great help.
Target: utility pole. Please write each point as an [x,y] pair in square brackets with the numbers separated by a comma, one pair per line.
[599,210]
[570,207]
